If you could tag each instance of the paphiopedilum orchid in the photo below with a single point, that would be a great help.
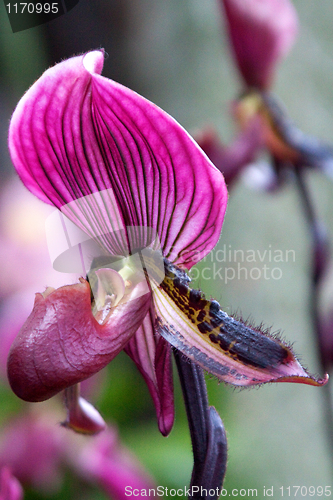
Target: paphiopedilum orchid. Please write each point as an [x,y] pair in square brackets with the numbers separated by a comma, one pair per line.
[261,33]
[128,176]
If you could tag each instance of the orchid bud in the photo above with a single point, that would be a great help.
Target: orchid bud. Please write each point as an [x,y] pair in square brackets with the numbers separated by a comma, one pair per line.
[261,33]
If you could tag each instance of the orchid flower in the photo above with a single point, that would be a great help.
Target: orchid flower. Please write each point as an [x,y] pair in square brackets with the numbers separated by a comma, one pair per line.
[261,33]
[130,178]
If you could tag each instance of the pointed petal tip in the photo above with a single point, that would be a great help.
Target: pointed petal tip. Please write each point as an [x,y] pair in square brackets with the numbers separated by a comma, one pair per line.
[306,379]
[152,356]
[93,61]
[165,423]
[249,357]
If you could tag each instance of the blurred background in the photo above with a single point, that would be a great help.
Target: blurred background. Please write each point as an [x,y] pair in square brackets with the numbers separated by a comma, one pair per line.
[176,54]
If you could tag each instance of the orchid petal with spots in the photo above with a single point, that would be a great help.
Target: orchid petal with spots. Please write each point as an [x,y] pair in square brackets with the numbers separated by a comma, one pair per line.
[122,170]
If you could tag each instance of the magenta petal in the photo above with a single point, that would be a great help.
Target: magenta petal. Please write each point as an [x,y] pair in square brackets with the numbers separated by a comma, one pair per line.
[62,344]
[105,461]
[152,355]
[10,488]
[75,133]
[261,32]
[33,448]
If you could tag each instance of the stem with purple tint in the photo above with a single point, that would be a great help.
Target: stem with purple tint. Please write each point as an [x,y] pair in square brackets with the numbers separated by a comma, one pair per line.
[209,443]
[320,257]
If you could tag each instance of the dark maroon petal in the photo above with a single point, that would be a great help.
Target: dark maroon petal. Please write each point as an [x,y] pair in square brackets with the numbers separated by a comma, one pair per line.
[75,133]
[261,33]
[62,344]
[152,355]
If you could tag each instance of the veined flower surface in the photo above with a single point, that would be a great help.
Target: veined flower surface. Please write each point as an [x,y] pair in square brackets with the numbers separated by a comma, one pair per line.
[121,169]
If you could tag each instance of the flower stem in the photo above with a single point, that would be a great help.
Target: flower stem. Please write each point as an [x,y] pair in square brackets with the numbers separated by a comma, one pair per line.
[320,257]
[209,443]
